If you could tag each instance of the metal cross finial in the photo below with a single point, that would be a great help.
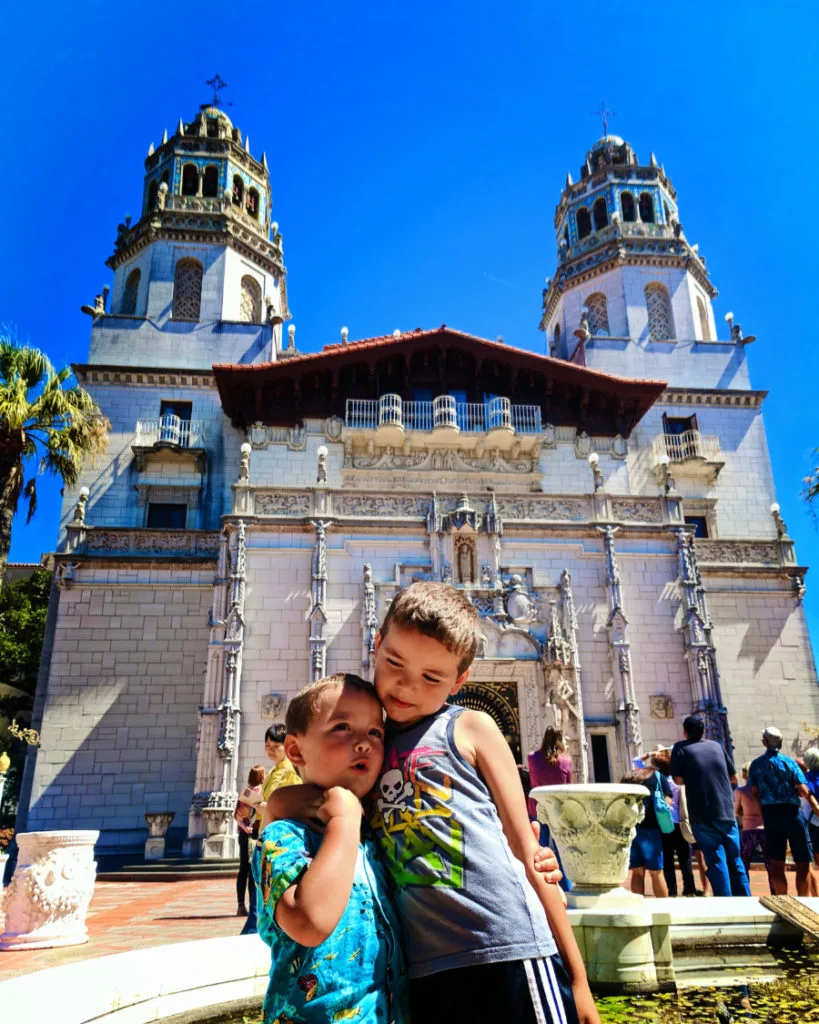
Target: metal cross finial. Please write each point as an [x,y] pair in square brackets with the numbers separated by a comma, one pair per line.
[605,113]
[217,83]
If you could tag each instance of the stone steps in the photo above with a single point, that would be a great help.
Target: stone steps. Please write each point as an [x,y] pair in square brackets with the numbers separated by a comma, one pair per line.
[178,869]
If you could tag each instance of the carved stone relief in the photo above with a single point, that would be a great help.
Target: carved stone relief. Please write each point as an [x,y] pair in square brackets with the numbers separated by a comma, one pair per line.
[273,503]
[635,510]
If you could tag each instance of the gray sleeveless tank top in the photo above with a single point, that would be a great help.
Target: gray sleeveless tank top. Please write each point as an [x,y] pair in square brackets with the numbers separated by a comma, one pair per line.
[462,894]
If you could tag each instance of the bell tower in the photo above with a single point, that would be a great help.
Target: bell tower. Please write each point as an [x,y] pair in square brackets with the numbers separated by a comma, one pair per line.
[200,277]
[626,271]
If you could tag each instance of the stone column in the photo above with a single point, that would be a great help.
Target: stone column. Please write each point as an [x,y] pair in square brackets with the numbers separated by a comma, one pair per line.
[494,527]
[369,621]
[435,527]
[318,613]
[698,636]
[211,833]
[569,625]
[621,648]
[48,898]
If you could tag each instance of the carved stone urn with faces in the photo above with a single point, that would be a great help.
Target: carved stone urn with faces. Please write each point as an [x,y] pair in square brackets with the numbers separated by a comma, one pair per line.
[593,826]
[48,898]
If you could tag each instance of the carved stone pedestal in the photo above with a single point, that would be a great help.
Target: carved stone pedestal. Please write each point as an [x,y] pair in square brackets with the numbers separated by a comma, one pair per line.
[158,825]
[218,844]
[625,946]
[48,898]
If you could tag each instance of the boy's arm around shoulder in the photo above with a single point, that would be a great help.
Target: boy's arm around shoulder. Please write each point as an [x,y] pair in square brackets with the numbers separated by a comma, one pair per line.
[309,910]
[481,742]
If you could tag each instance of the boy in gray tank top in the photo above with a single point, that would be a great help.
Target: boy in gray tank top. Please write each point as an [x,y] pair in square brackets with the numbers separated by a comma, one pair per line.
[487,938]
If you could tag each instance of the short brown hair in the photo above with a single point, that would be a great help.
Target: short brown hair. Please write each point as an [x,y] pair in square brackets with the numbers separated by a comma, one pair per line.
[302,708]
[439,611]
[255,777]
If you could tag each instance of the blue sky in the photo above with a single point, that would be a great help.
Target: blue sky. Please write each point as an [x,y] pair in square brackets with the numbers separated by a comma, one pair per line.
[416,156]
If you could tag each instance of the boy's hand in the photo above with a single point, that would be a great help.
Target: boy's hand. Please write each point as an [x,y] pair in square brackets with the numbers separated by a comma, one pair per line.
[299,803]
[545,860]
[341,803]
[587,1012]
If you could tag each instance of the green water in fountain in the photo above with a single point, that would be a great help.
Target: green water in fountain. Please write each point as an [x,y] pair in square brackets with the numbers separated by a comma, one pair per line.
[792,999]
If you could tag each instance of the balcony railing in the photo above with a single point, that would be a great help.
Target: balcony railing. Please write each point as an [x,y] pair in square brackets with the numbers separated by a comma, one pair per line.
[170,430]
[689,445]
[443,412]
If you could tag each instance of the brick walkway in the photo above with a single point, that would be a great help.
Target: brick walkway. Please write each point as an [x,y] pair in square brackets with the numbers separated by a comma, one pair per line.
[133,915]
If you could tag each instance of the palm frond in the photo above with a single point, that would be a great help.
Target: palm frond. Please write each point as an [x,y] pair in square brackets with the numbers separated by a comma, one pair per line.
[30,494]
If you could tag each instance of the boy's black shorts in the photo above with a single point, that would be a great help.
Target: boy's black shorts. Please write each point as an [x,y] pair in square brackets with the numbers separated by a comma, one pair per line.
[514,992]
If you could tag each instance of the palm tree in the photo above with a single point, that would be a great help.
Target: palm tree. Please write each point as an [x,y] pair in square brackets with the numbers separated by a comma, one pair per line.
[42,418]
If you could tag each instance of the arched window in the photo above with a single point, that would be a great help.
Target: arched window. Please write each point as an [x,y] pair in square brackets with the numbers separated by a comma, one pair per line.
[598,313]
[600,213]
[252,205]
[660,324]
[627,206]
[583,221]
[153,188]
[187,290]
[213,129]
[210,182]
[704,326]
[166,177]
[566,233]
[646,208]
[250,306]
[667,213]
[190,180]
[238,190]
[129,296]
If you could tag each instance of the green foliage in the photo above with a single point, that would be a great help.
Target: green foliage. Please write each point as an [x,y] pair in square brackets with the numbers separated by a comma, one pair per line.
[811,491]
[43,417]
[23,610]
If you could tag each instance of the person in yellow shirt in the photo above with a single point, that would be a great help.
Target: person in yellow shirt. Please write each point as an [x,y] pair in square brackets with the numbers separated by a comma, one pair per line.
[281,774]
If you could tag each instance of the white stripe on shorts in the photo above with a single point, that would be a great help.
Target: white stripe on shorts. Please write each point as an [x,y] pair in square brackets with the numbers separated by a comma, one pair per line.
[553,996]
[534,992]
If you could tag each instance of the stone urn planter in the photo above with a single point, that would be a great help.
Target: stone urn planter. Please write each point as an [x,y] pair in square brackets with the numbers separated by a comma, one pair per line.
[625,946]
[158,824]
[219,843]
[593,826]
[46,903]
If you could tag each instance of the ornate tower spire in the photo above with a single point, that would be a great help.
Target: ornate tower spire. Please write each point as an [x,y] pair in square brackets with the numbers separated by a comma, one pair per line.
[204,248]
[625,268]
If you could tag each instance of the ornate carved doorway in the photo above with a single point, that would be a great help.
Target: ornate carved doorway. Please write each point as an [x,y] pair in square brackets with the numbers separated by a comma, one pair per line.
[500,701]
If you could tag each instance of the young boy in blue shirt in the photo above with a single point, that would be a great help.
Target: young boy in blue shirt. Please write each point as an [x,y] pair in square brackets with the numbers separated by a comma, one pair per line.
[325,908]
[486,937]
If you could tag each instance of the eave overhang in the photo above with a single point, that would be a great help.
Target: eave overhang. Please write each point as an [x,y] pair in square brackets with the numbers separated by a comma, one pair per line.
[319,384]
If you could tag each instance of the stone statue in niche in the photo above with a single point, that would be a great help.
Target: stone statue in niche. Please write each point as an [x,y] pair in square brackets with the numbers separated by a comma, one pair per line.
[465,559]
[519,606]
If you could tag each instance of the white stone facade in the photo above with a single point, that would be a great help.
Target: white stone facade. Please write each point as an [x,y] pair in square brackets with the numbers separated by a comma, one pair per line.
[169,645]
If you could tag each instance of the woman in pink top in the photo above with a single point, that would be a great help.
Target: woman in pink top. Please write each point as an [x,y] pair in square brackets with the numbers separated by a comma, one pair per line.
[550,766]
[751,827]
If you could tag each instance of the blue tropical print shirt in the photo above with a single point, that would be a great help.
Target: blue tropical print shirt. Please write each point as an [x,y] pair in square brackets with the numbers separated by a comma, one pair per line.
[358,973]
[776,777]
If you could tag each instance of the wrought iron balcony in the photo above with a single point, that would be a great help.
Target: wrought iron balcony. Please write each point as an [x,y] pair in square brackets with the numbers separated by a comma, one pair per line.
[689,445]
[170,430]
[443,413]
